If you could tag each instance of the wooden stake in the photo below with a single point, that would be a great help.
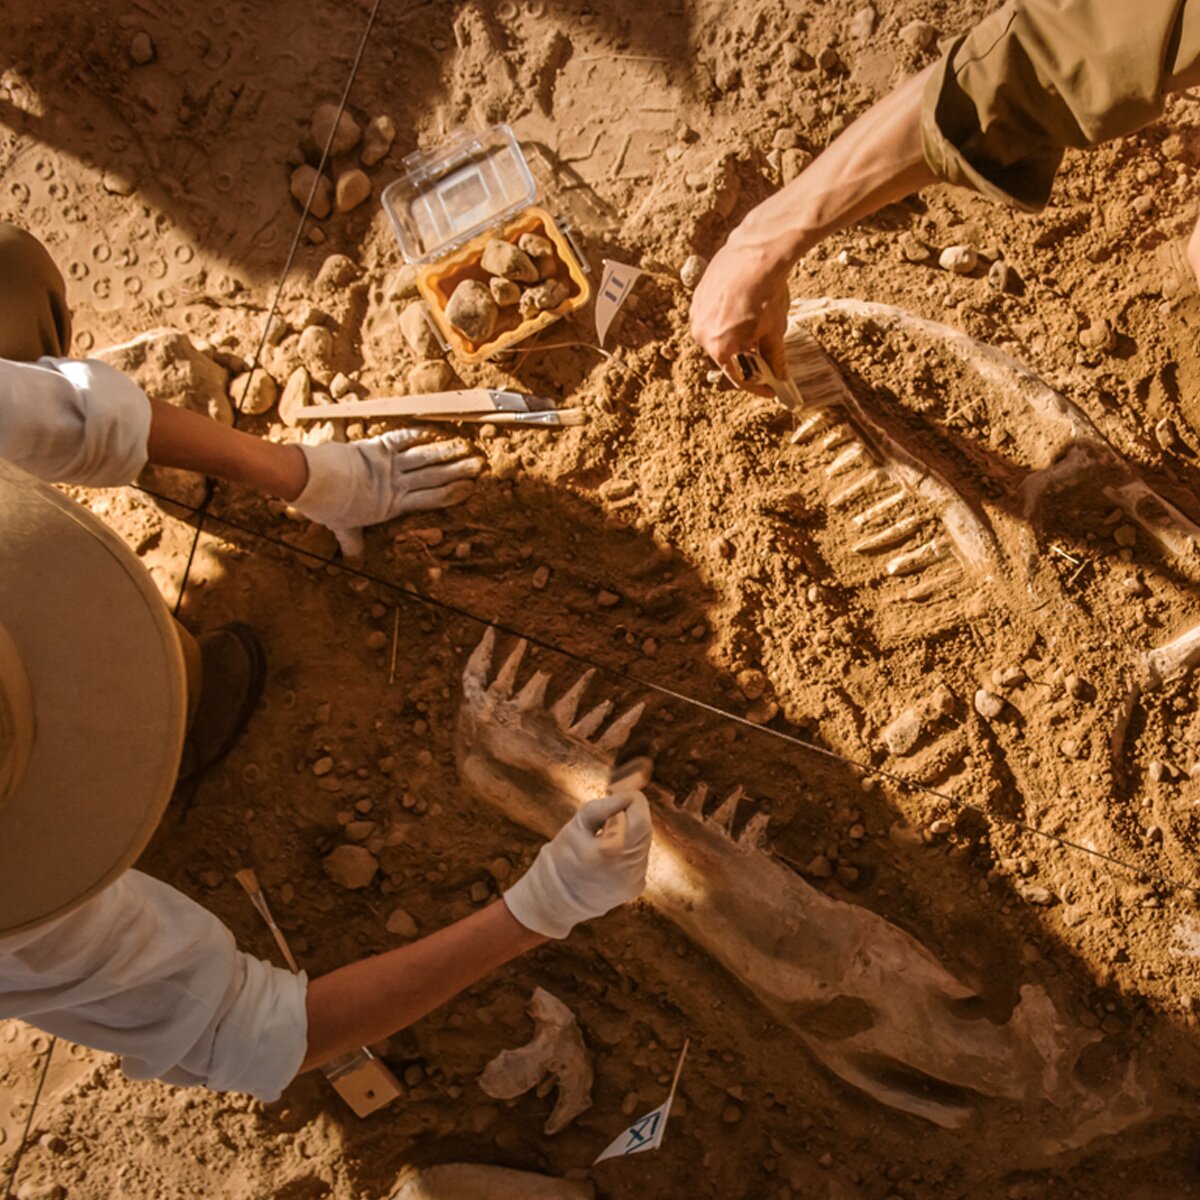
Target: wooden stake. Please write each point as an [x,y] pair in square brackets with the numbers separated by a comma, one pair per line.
[395,643]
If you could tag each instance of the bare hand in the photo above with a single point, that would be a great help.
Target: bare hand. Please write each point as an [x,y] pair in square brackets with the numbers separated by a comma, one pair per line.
[741,306]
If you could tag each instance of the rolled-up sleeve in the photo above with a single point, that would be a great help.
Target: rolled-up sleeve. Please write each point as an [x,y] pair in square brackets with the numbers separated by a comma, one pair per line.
[142,971]
[73,421]
[1038,76]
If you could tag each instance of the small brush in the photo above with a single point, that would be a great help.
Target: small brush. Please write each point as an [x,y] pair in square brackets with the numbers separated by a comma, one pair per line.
[812,380]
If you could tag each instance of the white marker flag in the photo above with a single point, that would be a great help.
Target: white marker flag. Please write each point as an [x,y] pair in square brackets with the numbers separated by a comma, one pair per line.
[646,1133]
[615,286]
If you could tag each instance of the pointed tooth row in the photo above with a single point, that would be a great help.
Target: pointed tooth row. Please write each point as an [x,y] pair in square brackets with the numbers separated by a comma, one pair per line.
[533,694]
[837,436]
[754,835]
[912,561]
[853,456]
[694,801]
[726,811]
[589,724]
[928,588]
[479,665]
[879,510]
[617,734]
[567,705]
[885,539]
[810,425]
[502,686]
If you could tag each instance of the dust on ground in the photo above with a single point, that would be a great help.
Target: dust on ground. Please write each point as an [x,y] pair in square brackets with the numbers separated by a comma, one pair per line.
[678,536]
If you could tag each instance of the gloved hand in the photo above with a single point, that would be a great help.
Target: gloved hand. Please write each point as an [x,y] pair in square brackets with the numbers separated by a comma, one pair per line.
[589,867]
[361,483]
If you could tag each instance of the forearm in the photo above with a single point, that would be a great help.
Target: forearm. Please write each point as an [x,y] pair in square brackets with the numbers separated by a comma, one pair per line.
[875,162]
[180,438]
[370,999]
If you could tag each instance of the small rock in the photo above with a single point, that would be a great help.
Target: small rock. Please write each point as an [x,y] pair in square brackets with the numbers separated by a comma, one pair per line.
[255,393]
[345,129]
[141,48]
[535,245]
[541,577]
[340,386]
[353,187]
[913,250]
[1033,893]
[297,394]
[505,292]
[1097,336]
[351,867]
[1165,435]
[1000,276]
[607,599]
[303,178]
[401,923]
[500,869]
[988,704]
[692,271]
[752,683]
[1069,748]
[1009,677]
[961,260]
[1125,535]
[785,138]
[941,703]
[503,258]
[322,766]
[918,34]
[377,140]
[1133,585]
[792,162]
[862,24]
[359,831]
[480,892]
[316,351]
[904,732]
[941,827]
[1158,771]
[731,1114]
[819,867]
[418,331]
[433,375]
[1076,687]
[472,309]
[761,712]
[545,296]
[376,639]
[337,272]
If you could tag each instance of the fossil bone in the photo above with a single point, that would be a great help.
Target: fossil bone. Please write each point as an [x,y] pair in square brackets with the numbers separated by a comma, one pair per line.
[868,999]
[555,1050]
[473,1181]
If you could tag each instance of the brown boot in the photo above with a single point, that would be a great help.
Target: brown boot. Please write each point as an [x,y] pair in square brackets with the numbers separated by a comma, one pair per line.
[234,670]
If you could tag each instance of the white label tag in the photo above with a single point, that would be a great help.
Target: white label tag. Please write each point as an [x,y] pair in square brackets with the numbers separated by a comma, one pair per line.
[646,1133]
[615,286]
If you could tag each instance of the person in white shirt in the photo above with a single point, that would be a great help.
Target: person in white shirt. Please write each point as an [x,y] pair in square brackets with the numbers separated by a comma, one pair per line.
[94,709]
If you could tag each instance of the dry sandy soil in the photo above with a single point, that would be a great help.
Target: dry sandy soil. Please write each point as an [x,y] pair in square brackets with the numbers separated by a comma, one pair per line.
[161,187]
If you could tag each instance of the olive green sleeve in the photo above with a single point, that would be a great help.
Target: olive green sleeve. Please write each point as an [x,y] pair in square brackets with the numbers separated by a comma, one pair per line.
[1037,76]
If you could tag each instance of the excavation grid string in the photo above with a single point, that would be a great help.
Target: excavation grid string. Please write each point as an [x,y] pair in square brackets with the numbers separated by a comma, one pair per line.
[326,150]
[625,676]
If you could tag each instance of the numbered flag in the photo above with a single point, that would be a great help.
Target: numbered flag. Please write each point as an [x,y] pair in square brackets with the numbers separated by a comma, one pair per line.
[615,285]
[646,1133]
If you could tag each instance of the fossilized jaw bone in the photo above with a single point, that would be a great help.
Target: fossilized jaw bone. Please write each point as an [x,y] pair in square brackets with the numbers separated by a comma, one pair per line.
[868,999]
[473,1181]
[555,1051]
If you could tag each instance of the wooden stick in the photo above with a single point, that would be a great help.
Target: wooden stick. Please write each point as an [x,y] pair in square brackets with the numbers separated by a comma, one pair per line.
[395,643]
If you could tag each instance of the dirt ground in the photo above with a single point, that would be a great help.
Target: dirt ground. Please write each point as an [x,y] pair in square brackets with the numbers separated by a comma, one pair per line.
[678,536]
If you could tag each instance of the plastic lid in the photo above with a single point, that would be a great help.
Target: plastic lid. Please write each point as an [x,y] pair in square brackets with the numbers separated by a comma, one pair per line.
[450,194]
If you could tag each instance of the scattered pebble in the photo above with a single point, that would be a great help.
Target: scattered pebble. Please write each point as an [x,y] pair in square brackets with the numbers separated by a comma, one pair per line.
[1034,893]
[352,867]
[1076,687]
[535,246]
[862,24]
[418,331]
[500,869]
[322,766]
[377,140]
[988,704]
[918,34]
[316,351]
[692,271]
[433,375]
[376,639]
[505,292]
[1165,434]
[1000,276]
[1097,336]
[260,394]
[752,683]
[302,184]
[141,48]
[607,599]
[480,892]
[401,923]
[340,386]
[1125,535]
[792,162]
[541,577]
[961,260]
[297,394]
[545,296]
[353,187]
[347,132]
[761,712]
[904,732]
[1009,677]
[819,867]
[913,250]
[472,310]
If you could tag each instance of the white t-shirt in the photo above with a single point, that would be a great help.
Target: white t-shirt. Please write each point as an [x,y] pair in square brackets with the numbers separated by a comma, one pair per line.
[139,970]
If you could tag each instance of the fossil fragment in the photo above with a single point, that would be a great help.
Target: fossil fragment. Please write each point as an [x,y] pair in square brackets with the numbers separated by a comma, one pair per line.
[868,999]
[556,1050]
[473,1181]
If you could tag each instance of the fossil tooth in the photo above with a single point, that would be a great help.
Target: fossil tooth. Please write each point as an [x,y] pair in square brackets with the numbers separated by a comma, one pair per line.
[912,561]
[617,734]
[502,687]
[694,801]
[723,817]
[586,726]
[533,694]
[863,483]
[880,509]
[849,458]
[838,436]
[754,836]
[566,706]
[810,425]
[928,588]
[479,665]
[1172,658]
[885,539]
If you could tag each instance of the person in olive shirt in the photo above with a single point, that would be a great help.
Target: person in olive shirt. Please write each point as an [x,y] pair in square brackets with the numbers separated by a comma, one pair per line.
[995,114]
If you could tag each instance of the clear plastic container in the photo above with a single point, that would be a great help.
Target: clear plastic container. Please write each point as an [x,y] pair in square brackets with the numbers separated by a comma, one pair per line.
[446,207]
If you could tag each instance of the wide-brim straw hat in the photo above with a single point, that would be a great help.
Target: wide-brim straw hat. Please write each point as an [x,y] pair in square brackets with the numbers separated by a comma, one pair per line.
[92,704]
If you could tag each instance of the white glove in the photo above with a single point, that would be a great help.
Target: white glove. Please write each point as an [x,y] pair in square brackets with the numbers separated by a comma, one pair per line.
[361,483]
[596,861]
